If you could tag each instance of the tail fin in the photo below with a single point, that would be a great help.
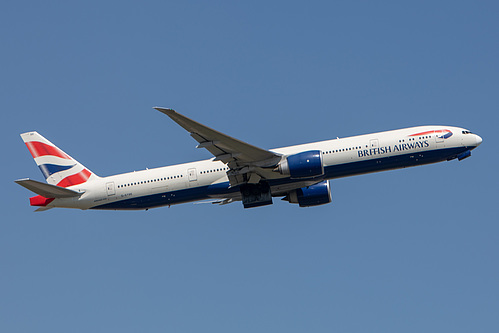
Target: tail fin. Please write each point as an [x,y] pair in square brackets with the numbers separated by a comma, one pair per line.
[57,167]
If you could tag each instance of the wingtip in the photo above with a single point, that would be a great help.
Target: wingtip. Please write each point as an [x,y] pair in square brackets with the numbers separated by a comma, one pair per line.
[164,110]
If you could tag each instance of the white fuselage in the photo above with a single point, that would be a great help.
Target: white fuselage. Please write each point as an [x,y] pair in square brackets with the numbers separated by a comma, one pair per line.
[207,179]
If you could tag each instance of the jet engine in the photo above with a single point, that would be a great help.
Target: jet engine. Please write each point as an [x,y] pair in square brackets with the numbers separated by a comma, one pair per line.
[307,164]
[310,196]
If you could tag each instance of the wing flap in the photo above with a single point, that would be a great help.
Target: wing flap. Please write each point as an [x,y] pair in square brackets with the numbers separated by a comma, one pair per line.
[211,146]
[47,190]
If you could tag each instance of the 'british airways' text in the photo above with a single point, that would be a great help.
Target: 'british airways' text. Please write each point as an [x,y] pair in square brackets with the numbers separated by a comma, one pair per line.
[389,149]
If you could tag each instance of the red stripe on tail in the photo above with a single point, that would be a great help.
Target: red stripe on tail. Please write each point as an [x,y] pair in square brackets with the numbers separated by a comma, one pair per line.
[38,149]
[75,179]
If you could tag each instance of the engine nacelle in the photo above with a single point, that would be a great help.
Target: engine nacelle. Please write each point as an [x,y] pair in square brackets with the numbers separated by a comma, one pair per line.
[307,164]
[310,196]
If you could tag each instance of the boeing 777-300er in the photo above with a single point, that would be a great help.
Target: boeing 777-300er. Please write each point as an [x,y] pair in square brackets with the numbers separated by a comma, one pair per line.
[240,171]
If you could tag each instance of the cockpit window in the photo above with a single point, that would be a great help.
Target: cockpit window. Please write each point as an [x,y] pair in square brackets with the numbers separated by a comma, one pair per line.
[467,132]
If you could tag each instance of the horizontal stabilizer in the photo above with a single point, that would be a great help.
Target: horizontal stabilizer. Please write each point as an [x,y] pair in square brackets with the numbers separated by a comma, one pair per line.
[47,190]
[42,209]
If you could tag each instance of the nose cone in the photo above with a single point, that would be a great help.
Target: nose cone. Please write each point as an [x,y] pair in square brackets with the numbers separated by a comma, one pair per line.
[478,140]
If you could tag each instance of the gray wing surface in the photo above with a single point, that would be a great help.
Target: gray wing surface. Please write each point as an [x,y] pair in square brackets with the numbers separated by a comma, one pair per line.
[247,163]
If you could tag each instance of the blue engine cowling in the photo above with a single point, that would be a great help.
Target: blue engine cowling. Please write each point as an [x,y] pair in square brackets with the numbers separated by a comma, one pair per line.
[315,195]
[307,164]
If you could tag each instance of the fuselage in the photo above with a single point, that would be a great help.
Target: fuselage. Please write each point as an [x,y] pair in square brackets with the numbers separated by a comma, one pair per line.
[207,179]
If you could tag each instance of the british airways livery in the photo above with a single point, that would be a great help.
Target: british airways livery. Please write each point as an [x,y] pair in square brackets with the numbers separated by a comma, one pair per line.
[240,171]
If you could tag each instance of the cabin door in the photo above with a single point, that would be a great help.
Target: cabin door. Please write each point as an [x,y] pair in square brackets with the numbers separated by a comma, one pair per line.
[192,176]
[439,138]
[110,189]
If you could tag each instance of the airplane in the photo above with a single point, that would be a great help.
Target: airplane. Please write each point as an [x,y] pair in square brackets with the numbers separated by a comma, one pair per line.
[239,171]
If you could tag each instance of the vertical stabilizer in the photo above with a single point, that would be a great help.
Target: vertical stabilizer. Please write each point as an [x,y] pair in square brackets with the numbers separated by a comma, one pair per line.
[57,167]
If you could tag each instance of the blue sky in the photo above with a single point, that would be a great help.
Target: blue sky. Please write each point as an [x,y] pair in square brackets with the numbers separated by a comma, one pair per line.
[409,250]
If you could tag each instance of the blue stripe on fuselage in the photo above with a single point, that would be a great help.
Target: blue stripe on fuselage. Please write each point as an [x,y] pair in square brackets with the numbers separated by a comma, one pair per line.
[331,172]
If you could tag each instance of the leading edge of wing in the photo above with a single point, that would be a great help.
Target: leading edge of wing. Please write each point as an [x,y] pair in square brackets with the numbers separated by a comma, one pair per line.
[224,147]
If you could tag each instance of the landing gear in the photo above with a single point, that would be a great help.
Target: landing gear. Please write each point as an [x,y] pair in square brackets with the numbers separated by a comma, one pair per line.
[255,195]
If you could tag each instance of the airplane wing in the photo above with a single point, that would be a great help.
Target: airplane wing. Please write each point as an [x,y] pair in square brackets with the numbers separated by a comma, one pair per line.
[247,162]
